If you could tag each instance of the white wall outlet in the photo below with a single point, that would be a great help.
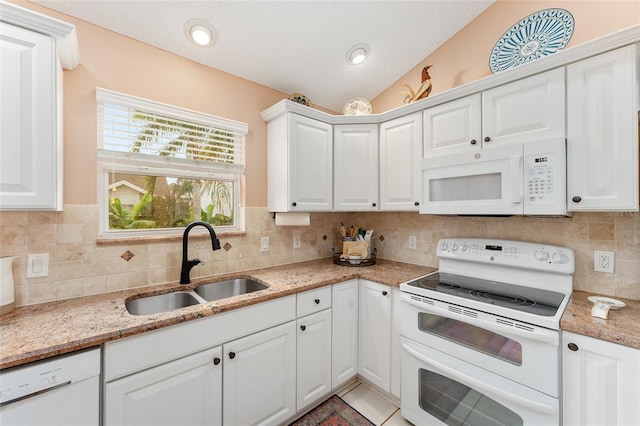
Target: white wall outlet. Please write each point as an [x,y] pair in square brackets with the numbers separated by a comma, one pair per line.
[603,261]
[412,242]
[264,244]
[296,241]
[37,265]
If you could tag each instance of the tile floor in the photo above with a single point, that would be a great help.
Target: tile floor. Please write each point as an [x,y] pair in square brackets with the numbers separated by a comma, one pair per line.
[378,409]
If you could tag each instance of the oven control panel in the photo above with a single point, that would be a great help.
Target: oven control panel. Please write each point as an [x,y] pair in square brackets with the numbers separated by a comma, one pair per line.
[518,254]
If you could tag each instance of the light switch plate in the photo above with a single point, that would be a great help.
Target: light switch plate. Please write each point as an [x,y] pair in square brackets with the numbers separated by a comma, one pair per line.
[264,244]
[37,265]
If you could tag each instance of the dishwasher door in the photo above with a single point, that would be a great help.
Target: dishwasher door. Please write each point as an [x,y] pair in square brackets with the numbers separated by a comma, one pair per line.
[64,390]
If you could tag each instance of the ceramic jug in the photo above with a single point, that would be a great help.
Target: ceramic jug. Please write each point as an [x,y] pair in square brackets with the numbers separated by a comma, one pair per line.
[7,296]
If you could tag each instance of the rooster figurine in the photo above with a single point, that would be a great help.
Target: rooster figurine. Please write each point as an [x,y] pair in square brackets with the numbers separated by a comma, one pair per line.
[422,92]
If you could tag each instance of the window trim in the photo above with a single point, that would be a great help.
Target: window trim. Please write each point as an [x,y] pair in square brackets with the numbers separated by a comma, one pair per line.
[125,162]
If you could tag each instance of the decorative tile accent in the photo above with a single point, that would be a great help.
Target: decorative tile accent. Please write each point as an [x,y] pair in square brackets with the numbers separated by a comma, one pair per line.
[324,237]
[127,255]
[381,238]
[227,246]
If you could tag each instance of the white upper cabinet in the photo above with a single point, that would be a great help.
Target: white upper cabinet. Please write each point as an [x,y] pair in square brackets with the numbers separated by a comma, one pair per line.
[33,50]
[300,164]
[523,111]
[356,167]
[400,155]
[527,110]
[602,132]
[453,126]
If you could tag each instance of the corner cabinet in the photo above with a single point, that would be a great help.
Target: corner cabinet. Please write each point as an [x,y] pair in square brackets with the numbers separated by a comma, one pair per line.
[400,155]
[33,51]
[356,167]
[300,164]
[602,131]
[601,382]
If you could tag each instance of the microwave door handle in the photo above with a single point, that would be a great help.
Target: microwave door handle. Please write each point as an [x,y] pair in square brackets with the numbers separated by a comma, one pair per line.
[517,179]
[480,385]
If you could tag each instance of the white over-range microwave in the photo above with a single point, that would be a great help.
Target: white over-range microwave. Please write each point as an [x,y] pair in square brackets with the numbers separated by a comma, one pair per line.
[514,179]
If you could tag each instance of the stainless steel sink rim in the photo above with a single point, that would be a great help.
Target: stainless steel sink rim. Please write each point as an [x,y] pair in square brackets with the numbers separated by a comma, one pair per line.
[204,293]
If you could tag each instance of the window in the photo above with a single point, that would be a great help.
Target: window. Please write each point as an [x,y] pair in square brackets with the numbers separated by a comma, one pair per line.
[162,167]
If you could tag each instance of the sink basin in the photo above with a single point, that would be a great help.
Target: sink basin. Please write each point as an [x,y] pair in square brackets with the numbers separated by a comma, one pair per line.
[224,289]
[161,303]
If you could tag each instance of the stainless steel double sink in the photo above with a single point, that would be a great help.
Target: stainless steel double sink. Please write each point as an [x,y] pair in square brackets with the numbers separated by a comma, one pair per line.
[203,293]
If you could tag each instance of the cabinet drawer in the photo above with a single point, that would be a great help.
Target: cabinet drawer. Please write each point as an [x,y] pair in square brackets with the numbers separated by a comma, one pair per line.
[313,301]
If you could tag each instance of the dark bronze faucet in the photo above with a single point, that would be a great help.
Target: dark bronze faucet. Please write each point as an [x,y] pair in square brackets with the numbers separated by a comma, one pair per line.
[188,264]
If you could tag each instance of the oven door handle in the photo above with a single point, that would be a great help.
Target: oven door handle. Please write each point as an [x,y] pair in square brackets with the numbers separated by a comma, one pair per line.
[479,385]
[550,337]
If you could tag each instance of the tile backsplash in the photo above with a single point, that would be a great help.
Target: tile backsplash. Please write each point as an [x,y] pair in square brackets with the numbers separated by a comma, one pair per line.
[79,267]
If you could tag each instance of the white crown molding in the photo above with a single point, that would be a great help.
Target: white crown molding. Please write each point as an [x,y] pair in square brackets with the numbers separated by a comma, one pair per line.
[64,33]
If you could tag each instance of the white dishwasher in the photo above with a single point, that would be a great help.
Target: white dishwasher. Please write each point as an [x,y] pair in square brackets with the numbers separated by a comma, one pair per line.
[64,390]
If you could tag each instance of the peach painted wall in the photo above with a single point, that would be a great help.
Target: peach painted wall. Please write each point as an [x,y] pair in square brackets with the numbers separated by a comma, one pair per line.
[113,61]
[465,57]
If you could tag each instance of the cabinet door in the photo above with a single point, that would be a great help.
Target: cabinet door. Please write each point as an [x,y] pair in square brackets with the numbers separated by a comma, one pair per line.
[526,110]
[260,377]
[453,127]
[602,132]
[30,172]
[400,155]
[314,357]
[374,348]
[601,382]
[344,345]
[187,391]
[356,167]
[310,164]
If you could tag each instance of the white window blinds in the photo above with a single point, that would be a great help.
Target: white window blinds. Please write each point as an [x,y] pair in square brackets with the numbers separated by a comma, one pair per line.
[140,130]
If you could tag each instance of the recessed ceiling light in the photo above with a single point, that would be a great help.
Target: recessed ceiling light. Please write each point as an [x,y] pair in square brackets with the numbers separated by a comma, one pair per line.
[357,54]
[200,32]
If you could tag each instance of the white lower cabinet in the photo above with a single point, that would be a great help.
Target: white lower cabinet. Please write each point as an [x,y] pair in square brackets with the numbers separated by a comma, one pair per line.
[374,340]
[601,382]
[344,338]
[259,377]
[187,391]
[313,357]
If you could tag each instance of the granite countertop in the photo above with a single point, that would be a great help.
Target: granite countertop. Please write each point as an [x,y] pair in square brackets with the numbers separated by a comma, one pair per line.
[41,331]
[621,326]
[35,332]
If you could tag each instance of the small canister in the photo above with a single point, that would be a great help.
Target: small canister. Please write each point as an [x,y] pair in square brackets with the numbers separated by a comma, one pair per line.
[7,290]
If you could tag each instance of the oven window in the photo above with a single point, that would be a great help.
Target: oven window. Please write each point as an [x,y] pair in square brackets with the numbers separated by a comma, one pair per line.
[472,337]
[466,188]
[456,404]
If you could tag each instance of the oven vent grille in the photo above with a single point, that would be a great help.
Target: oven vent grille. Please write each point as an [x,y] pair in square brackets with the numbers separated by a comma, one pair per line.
[461,311]
[515,324]
[423,300]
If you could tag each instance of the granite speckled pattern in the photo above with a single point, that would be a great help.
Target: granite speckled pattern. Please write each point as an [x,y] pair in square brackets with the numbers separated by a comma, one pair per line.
[44,330]
[622,325]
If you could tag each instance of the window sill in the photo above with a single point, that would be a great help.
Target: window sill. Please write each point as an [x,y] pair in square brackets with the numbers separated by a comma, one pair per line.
[105,241]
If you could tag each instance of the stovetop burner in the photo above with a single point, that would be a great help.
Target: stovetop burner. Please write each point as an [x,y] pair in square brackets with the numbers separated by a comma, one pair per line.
[525,299]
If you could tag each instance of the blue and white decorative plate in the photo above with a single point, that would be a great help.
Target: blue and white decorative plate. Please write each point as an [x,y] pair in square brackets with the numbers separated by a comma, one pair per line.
[538,35]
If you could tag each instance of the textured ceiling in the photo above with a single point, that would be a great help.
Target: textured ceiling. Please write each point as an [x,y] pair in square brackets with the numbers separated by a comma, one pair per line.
[292,46]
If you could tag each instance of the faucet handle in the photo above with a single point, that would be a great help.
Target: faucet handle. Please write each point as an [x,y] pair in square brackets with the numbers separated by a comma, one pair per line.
[197,261]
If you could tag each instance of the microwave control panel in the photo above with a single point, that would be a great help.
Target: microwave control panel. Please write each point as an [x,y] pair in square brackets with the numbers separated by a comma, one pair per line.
[539,178]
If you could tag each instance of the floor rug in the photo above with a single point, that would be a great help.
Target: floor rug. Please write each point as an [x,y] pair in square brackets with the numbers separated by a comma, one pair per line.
[333,412]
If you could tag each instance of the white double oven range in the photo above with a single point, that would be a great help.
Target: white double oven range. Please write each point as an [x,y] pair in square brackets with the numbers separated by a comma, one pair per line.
[481,336]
